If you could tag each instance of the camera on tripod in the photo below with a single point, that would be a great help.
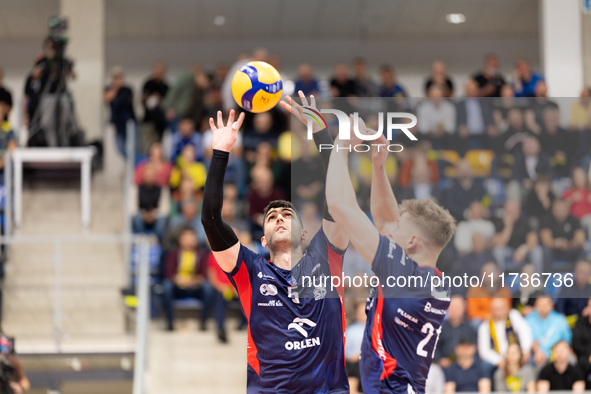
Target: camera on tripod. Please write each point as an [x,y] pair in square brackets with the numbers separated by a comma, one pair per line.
[58,26]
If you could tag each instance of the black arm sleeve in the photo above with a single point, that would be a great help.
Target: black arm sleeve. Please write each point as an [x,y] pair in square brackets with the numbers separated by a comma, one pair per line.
[219,234]
[324,137]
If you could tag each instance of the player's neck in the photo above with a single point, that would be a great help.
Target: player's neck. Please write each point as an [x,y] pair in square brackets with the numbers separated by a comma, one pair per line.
[424,258]
[283,259]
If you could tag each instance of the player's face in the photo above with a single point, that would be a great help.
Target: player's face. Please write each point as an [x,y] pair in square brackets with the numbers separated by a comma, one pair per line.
[281,226]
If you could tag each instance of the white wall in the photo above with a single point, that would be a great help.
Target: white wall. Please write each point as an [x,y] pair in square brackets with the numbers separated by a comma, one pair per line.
[411,58]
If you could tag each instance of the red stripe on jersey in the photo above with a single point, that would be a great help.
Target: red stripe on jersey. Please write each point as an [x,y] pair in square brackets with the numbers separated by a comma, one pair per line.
[242,280]
[335,262]
[377,341]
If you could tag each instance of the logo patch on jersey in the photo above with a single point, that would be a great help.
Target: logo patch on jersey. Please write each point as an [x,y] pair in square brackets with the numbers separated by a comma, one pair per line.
[429,308]
[319,293]
[407,316]
[298,324]
[271,303]
[264,276]
[400,322]
[268,289]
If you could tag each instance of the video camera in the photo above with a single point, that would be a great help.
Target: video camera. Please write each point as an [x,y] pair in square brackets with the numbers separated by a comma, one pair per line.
[57,28]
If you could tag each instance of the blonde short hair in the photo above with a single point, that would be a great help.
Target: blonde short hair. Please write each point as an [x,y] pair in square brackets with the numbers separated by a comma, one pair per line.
[435,222]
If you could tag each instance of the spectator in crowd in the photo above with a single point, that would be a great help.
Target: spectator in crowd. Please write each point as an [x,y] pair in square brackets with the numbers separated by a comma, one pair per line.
[562,238]
[527,291]
[579,198]
[467,373]
[474,117]
[548,327]
[471,263]
[355,332]
[120,98]
[528,165]
[464,190]
[525,80]
[556,142]
[435,383]
[147,220]
[390,86]
[185,135]
[7,139]
[421,187]
[504,327]
[161,165]
[582,343]
[153,93]
[572,300]
[364,85]
[186,166]
[515,375]
[232,211]
[186,98]
[439,78]
[516,131]
[479,298]
[455,328]
[5,96]
[189,217]
[262,130]
[261,193]
[476,223]
[306,82]
[341,85]
[185,276]
[580,112]
[490,80]
[515,242]
[534,114]
[32,95]
[560,375]
[436,118]
[407,160]
[539,200]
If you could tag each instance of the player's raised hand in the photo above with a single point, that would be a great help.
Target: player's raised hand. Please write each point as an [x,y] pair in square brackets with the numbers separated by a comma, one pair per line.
[379,154]
[224,137]
[307,112]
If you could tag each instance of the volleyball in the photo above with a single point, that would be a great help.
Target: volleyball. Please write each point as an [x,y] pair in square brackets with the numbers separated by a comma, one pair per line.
[257,87]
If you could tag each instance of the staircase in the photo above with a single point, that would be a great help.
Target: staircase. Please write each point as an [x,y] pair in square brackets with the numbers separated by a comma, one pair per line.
[92,274]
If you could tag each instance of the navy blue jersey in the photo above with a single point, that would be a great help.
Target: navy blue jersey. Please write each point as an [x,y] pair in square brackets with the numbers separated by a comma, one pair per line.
[295,334]
[403,323]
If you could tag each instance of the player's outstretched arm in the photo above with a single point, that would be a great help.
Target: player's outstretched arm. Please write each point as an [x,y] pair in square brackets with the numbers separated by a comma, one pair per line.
[309,113]
[221,237]
[343,206]
[383,204]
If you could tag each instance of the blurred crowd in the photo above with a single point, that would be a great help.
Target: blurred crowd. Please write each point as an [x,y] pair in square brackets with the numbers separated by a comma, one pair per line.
[511,164]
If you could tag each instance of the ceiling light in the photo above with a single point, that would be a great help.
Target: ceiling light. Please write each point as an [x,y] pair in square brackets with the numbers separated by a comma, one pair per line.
[455,18]
[219,20]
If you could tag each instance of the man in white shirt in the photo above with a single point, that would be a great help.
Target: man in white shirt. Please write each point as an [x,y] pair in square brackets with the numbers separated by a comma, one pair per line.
[502,328]
[475,224]
[436,118]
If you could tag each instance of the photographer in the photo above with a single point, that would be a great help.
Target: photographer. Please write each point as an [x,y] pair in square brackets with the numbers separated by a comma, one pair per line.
[55,112]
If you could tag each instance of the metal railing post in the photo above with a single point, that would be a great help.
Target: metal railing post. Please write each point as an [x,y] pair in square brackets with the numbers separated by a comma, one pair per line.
[142,315]
[8,194]
[130,147]
[57,302]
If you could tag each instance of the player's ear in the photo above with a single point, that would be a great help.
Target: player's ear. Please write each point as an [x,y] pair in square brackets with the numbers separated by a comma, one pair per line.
[304,235]
[413,242]
[264,241]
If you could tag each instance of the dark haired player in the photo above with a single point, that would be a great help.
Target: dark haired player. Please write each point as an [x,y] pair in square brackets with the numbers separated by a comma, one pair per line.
[295,340]
[403,323]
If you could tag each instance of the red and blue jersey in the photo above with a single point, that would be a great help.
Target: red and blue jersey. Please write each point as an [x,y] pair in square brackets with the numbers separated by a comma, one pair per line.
[295,333]
[404,321]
